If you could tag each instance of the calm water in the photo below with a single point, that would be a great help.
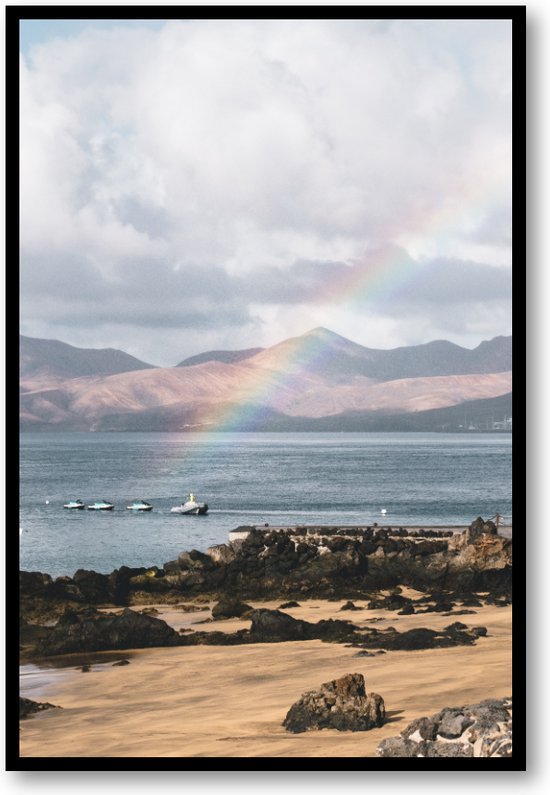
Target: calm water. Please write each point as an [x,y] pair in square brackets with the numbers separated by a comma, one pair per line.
[245,478]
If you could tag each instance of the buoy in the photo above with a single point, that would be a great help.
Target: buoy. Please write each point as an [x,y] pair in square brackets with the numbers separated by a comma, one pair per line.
[383,510]
[47,502]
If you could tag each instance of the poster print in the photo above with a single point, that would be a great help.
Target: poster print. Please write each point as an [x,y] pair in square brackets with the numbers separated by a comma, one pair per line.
[266,400]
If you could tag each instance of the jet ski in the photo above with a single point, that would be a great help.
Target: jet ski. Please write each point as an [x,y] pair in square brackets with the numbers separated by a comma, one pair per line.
[139,505]
[101,505]
[77,504]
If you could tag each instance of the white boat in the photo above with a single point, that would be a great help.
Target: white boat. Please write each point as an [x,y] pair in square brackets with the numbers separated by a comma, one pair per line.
[76,504]
[139,505]
[101,505]
[190,507]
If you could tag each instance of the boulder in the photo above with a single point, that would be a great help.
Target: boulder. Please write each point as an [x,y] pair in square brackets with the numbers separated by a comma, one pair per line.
[221,553]
[340,704]
[94,587]
[475,730]
[349,606]
[230,608]
[273,625]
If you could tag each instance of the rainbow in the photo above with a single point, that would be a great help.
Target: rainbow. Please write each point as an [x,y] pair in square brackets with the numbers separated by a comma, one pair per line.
[380,276]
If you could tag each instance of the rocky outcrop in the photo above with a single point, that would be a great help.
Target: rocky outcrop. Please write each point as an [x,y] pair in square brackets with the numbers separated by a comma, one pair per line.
[28,707]
[343,563]
[483,729]
[418,638]
[340,704]
[91,630]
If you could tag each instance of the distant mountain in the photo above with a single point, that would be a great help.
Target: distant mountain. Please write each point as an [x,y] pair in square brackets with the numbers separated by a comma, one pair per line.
[340,359]
[51,361]
[317,380]
[229,357]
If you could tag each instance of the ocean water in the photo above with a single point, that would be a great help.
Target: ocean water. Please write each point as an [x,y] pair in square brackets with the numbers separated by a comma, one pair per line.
[246,478]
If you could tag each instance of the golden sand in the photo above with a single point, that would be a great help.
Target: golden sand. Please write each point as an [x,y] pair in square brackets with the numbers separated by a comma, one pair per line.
[216,701]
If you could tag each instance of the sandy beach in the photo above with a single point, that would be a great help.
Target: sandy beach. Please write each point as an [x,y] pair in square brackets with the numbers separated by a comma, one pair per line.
[230,701]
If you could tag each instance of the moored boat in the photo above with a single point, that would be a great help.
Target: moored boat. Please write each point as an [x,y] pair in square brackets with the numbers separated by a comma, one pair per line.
[101,505]
[75,504]
[139,505]
[191,507]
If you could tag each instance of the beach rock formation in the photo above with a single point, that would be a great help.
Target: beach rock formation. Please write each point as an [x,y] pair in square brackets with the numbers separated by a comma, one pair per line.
[91,630]
[340,704]
[230,608]
[418,638]
[339,563]
[28,707]
[483,729]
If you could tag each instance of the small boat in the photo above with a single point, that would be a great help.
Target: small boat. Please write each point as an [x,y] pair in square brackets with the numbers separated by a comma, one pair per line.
[101,505]
[139,505]
[190,507]
[76,504]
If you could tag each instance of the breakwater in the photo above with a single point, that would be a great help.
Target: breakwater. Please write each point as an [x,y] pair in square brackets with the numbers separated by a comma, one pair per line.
[297,561]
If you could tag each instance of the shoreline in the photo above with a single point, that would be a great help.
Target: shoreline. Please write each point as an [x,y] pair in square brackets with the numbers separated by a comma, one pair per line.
[209,701]
[204,657]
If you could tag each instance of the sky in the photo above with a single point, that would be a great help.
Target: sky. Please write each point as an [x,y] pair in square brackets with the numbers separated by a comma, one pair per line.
[210,184]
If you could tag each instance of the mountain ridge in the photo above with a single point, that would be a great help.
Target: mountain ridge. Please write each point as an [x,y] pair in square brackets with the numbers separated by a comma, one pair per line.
[316,376]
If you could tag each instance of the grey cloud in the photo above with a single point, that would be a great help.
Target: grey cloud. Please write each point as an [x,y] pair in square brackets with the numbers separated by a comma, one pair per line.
[213,170]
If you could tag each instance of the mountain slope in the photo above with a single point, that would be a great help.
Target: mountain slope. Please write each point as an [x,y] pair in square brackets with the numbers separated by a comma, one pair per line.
[229,357]
[51,361]
[317,376]
[339,359]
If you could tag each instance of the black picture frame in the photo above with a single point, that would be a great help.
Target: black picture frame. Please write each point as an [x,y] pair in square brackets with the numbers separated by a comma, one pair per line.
[517,16]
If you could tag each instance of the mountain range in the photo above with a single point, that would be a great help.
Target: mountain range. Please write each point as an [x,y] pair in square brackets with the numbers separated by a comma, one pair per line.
[317,381]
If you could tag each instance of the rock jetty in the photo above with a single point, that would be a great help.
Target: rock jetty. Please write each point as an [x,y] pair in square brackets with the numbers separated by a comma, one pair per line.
[292,563]
[483,729]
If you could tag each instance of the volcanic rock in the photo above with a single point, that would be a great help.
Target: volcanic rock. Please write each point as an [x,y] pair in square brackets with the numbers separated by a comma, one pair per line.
[483,729]
[95,631]
[29,707]
[340,704]
[230,608]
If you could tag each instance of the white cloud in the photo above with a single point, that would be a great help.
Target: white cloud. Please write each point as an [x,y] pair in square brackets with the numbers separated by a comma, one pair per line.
[246,146]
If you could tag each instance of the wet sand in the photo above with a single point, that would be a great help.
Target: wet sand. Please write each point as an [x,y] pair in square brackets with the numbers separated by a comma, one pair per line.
[215,701]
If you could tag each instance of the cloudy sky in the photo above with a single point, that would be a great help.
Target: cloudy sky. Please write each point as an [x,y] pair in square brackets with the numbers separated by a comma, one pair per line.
[190,185]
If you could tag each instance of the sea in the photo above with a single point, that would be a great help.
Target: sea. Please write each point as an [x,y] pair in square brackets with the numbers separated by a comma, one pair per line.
[395,479]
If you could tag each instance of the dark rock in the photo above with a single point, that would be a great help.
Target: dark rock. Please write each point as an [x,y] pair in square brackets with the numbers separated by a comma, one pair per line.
[95,631]
[273,625]
[29,707]
[426,727]
[443,749]
[349,606]
[221,553]
[340,704]
[286,605]
[94,587]
[392,602]
[417,638]
[230,608]
[453,725]
[397,746]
